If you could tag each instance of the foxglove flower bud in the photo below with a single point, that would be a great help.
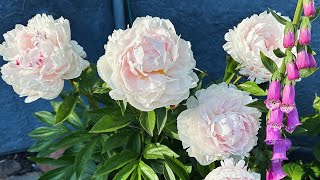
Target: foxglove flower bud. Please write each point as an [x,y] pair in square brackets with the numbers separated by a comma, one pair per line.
[292,120]
[280,149]
[272,135]
[288,39]
[303,61]
[312,60]
[274,92]
[275,120]
[291,67]
[276,172]
[308,8]
[305,31]
[288,96]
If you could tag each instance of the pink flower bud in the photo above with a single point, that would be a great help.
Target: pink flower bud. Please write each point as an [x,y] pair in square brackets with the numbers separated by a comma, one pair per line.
[304,36]
[274,92]
[275,119]
[288,40]
[292,71]
[288,96]
[303,61]
[312,60]
[308,8]
[272,135]
[280,149]
[276,170]
[292,120]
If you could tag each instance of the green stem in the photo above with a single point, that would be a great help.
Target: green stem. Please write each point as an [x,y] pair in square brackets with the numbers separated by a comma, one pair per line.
[92,102]
[298,13]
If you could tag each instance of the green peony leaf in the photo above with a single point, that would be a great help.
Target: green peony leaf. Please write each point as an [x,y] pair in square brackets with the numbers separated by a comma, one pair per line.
[161,114]
[66,108]
[268,63]
[230,70]
[252,88]
[156,151]
[109,123]
[148,121]
[125,172]
[177,167]
[168,173]
[259,104]
[147,171]
[45,117]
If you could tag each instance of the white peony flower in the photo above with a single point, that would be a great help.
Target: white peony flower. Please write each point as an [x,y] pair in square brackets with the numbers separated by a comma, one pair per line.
[229,170]
[148,65]
[258,33]
[218,125]
[40,56]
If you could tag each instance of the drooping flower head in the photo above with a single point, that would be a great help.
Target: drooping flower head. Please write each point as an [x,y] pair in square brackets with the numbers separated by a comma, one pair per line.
[272,134]
[229,170]
[308,8]
[148,65]
[40,56]
[258,33]
[218,124]
[280,149]
[312,60]
[275,119]
[305,31]
[274,92]
[292,120]
[288,39]
[291,67]
[276,172]
[288,98]
[303,61]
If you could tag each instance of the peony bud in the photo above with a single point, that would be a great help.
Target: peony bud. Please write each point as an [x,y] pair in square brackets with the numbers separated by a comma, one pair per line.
[312,60]
[305,31]
[272,135]
[276,170]
[275,119]
[292,120]
[280,149]
[274,92]
[303,61]
[308,8]
[288,39]
[288,96]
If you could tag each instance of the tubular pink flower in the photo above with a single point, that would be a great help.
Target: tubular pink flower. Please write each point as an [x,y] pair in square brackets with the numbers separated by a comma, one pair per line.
[288,40]
[280,149]
[272,135]
[275,120]
[312,60]
[308,8]
[292,71]
[276,172]
[274,92]
[304,36]
[303,61]
[288,96]
[292,120]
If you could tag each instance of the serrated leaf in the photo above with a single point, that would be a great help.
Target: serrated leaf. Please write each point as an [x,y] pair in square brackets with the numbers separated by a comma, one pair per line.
[268,63]
[147,172]
[168,173]
[252,88]
[278,17]
[45,117]
[279,53]
[315,15]
[307,72]
[115,162]
[83,157]
[111,123]
[125,172]
[156,151]
[259,104]
[161,114]
[294,171]
[66,108]
[177,167]
[148,121]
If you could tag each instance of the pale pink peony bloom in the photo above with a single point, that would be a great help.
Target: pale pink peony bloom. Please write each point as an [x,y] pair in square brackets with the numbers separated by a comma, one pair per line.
[229,170]
[40,56]
[148,65]
[218,124]
[258,33]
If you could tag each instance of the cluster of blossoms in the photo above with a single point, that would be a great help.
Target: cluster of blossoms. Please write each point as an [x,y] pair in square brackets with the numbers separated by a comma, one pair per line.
[281,94]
